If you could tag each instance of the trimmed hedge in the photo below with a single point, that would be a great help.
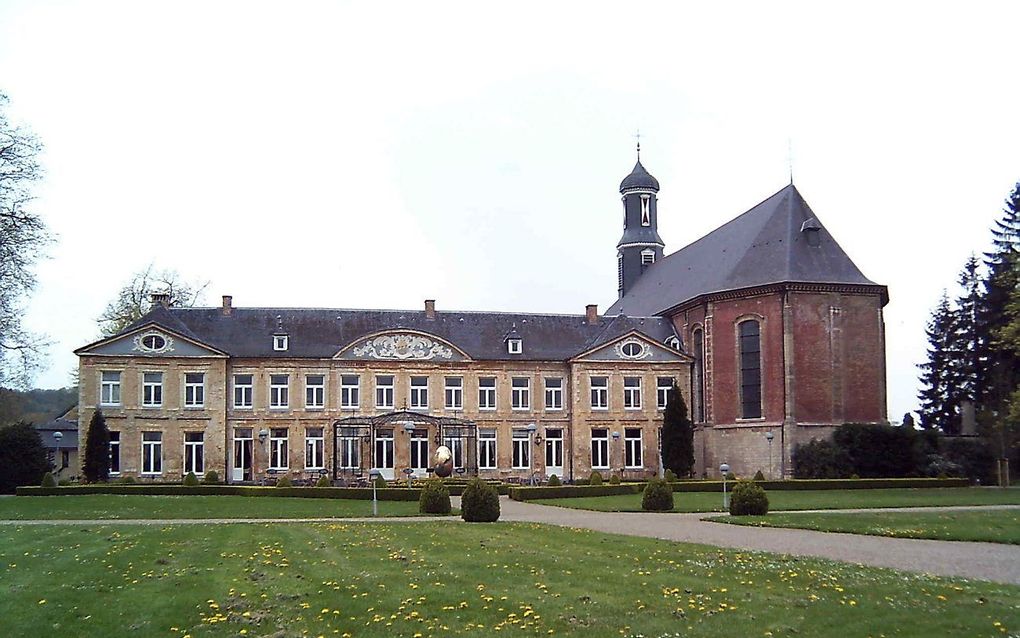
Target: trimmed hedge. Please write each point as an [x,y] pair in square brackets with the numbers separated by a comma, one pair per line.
[578,491]
[156,489]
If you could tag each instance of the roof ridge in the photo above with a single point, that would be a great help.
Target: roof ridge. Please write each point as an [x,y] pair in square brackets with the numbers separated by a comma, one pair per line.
[396,310]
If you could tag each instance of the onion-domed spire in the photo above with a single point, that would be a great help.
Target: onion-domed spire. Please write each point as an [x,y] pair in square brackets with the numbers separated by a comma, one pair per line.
[639,177]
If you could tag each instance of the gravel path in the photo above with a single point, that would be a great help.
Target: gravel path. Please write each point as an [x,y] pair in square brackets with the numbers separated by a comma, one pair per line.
[982,561]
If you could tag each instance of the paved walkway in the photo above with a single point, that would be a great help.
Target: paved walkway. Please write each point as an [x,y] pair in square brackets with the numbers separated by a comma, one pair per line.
[982,561]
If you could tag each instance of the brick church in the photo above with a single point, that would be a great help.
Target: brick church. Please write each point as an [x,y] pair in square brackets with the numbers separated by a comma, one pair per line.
[771,332]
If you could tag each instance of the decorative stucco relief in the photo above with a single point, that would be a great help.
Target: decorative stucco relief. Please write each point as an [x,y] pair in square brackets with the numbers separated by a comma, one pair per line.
[401,347]
[633,349]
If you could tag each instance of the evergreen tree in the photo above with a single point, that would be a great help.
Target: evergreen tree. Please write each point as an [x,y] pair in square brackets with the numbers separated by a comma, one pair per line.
[96,465]
[999,286]
[970,347]
[940,393]
[23,459]
[677,435]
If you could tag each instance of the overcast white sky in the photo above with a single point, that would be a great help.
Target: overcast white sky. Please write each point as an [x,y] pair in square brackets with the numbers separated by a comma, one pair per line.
[376,154]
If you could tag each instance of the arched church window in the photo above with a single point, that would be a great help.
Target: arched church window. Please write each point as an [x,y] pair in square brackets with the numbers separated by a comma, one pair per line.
[750,369]
[698,342]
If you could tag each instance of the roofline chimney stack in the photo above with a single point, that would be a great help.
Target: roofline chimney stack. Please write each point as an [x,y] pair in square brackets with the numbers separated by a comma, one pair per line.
[430,309]
[161,298]
[591,312]
[228,307]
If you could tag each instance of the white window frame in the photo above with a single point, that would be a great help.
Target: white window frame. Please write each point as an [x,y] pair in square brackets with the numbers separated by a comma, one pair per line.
[488,392]
[152,391]
[278,453]
[194,453]
[419,447]
[662,391]
[487,449]
[194,391]
[632,448]
[515,346]
[647,257]
[279,393]
[384,391]
[521,450]
[315,393]
[152,453]
[350,393]
[315,449]
[453,393]
[349,454]
[247,391]
[600,449]
[553,394]
[281,343]
[599,395]
[646,209]
[114,451]
[456,446]
[520,395]
[109,388]
[419,392]
[631,393]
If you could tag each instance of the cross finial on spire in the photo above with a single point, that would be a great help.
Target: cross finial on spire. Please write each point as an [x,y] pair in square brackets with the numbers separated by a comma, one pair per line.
[789,157]
[638,137]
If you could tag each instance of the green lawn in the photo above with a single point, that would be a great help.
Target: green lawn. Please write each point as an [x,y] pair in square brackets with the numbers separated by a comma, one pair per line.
[451,579]
[996,526]
[809,499]
[106,506]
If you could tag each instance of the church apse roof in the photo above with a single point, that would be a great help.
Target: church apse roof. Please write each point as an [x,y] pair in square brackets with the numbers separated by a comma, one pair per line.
[780,240]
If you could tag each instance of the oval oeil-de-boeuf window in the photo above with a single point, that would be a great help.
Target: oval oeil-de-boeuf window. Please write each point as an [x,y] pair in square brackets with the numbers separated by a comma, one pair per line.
[631,349]
[153,342]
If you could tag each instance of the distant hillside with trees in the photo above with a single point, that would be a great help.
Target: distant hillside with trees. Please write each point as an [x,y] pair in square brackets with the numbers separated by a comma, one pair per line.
[35,406]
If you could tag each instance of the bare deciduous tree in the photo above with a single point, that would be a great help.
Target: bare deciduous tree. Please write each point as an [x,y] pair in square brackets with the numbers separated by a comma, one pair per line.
[23,236]
[134,299]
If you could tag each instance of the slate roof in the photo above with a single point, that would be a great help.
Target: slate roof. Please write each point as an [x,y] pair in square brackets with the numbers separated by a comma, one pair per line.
[322,332]
[639,178]
[763,246]
[63,424]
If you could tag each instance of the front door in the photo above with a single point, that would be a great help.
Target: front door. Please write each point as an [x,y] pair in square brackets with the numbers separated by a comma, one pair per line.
[383,460]
[554,452]
[242,455]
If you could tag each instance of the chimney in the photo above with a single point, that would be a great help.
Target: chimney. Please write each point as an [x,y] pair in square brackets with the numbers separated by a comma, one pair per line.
[591,312]
[227,307]
[430,309]
[161,298]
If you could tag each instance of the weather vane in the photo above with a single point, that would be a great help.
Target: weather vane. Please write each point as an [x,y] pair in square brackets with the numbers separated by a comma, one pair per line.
[637,136]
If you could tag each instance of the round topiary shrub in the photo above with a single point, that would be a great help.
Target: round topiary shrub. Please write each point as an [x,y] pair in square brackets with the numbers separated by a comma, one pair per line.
[670,476]
[284,481]
[435,498]
[580,481]
[748,499]
[595,478]
[758,476]
[190,479]
[614,479]
[323,481]
[479,503]
[211,478]
[48,480]
[554,481]
[658,496]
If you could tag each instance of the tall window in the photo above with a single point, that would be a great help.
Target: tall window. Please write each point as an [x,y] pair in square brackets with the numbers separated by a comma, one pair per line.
[384,391]
[152,452]
[599,393]
[315,391]
[632,447]
[419,450]
[698,340]
[194,389]
[279,391]
[487,449]
[454,393]
[420,392]
[632,393]
[646,214]
[553,393]
[662,387]
[350,447]
[278,459]
[349,390]
[619,272]
[750,369]
[242,390]
[521,457]
[314,457]
[487,393]
[520,393]
[152,389]
[109,393]
[194,452]
[456,445]
[114,452]
[600,448]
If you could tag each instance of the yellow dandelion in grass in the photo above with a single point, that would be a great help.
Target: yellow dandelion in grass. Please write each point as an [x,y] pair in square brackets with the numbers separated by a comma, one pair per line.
[42,602]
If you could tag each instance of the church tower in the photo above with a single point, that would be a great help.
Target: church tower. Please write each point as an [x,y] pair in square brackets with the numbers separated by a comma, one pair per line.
[640,246]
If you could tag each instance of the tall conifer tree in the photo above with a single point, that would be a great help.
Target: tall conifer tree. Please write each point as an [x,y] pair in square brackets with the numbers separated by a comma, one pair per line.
[677,435]
[940,375]
[1000,286]
[96,465]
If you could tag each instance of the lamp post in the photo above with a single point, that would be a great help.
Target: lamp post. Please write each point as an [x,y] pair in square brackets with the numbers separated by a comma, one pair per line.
[769,436]
[374,475]
[57,437]
[532,428]
[724,469]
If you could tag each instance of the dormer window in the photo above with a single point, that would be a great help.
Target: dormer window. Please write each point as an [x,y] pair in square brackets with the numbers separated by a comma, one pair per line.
[646,215]
[515,346]
[647,258]
[673,342]
[280,342]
